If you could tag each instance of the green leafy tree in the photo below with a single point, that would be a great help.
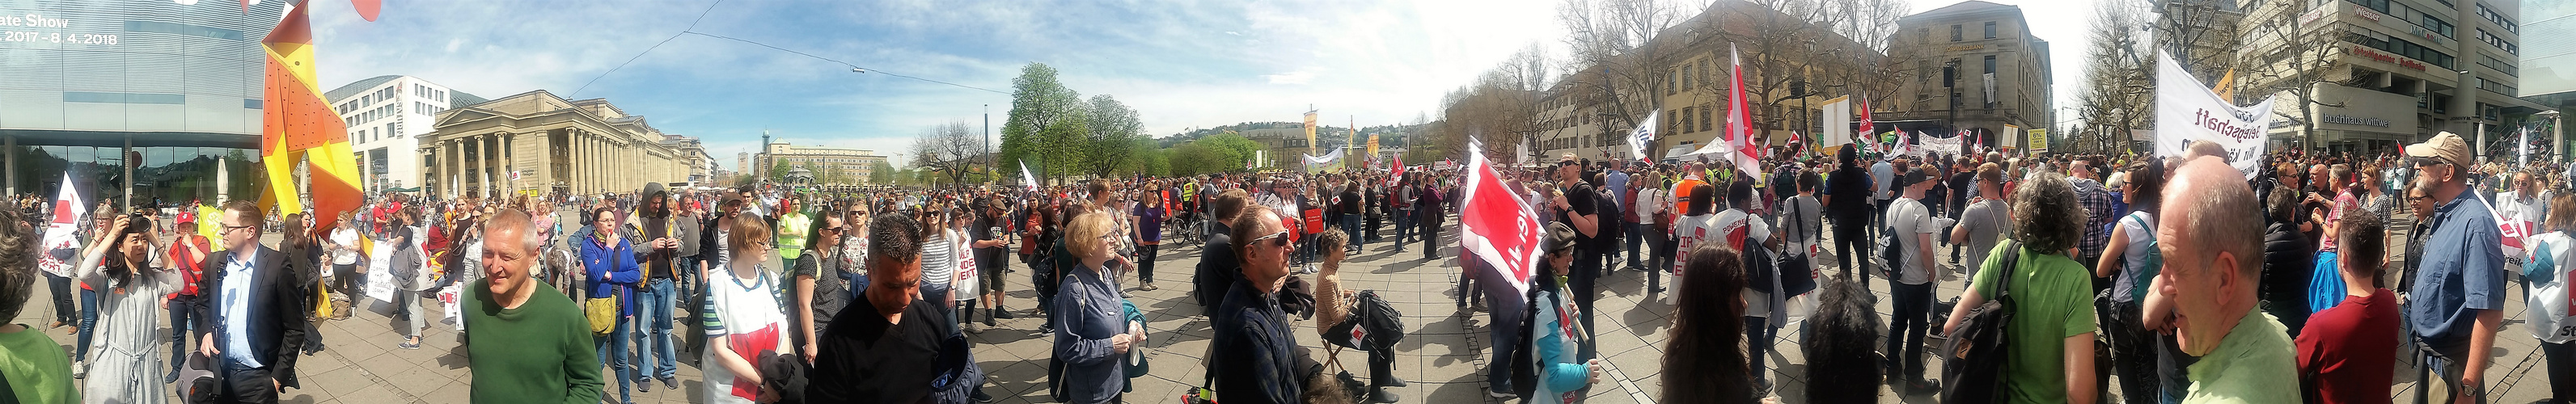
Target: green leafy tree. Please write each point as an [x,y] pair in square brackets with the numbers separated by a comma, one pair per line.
[1045,124]
[1111,129]
[778,171]
[881,172]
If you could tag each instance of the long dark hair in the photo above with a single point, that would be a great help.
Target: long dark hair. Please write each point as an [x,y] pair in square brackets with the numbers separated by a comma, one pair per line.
[1705,357]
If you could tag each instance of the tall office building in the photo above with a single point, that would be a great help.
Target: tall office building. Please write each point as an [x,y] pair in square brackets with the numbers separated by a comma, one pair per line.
[2384,73]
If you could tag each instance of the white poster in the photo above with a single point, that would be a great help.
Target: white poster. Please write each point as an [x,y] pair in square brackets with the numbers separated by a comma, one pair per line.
[2186,111]
[1837,119]
[380,275]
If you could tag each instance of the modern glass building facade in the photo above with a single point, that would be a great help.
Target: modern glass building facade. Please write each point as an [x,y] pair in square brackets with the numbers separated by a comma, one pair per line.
[152,98]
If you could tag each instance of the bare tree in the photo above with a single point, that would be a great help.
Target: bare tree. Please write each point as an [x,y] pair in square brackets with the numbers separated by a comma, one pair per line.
[949,148]
[2301,57]
[2117,95]
[1611,36]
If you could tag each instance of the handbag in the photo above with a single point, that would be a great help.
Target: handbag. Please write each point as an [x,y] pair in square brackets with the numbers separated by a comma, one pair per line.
[1975,355]
[602,312]
[1797,276]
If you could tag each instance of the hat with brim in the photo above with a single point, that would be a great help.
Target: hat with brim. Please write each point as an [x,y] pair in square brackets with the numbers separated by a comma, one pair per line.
[2445,146]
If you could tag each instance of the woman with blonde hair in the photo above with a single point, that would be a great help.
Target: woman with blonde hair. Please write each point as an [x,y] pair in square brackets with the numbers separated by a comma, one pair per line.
[1092,336]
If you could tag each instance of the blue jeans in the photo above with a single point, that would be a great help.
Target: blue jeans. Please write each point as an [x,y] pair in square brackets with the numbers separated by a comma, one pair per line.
[1758,336]
[1403,228]
[1351,228]
[612,352]
[180,308]
[653,336]
[1636,235]
[88,322]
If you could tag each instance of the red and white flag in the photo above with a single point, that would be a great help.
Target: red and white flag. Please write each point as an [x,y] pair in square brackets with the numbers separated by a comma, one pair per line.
[1739,119]
[1497,226]
[1866,126]
[1397,172]
[62,240]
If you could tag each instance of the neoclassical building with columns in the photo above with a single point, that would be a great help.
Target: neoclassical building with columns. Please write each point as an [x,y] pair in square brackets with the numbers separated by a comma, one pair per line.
[550,144]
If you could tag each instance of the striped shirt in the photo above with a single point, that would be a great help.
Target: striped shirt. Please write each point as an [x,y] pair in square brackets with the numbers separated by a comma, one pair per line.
[938,265]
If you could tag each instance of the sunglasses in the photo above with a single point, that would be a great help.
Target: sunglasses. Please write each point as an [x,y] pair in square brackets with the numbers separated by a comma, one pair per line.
[1281,236]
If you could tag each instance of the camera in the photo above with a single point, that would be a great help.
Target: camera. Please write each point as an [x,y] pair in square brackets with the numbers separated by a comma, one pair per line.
[138,222]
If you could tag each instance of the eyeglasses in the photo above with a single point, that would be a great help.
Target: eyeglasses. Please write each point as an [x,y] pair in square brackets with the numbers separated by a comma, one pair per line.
[2421,198]
[232,227]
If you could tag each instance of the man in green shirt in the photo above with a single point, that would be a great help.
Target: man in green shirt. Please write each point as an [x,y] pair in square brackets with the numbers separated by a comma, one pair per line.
[2206,293]
[527,343]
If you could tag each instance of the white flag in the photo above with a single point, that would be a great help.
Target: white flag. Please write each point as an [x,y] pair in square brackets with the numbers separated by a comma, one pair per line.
[62,240]
[1645,132]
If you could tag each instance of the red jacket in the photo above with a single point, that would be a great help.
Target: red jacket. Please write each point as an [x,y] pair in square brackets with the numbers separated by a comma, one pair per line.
[188,255]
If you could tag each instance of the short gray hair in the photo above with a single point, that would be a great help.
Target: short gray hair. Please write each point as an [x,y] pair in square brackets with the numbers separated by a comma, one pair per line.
[514,219]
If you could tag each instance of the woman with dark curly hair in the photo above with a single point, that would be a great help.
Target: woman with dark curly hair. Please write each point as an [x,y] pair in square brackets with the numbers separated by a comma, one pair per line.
[39,371]
[2052,297]
[1704,359]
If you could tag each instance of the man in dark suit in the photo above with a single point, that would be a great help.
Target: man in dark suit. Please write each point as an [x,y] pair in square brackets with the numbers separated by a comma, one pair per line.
[252,321]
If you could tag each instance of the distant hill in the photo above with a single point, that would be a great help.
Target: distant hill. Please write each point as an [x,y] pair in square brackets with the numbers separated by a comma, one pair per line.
[1388,135]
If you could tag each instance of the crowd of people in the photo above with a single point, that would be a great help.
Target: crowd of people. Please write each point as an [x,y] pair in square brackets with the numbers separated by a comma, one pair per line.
[2189,278]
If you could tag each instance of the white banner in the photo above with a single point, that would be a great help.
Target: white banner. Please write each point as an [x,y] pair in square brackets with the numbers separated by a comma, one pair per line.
[1943,145]
[1838,128]
[1327,158]
[62,244]
[2187,111]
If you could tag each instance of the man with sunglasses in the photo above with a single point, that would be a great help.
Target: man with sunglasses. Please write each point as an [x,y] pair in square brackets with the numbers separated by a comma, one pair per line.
[1256,360]
[1579,207]
[2456,316]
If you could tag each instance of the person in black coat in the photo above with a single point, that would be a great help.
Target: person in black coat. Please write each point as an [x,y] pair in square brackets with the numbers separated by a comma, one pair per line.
[1427,213]
[1218,268]
[2288,261]
[257,360]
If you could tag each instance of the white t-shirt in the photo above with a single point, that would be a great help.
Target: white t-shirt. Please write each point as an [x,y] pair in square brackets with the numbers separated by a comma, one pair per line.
[346,237]
[1650,204]
[1912,222]
[1755,234]
[745,311]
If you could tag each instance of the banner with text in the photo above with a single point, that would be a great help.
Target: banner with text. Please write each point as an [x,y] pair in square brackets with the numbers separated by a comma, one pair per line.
[2187,111]
[1837,119]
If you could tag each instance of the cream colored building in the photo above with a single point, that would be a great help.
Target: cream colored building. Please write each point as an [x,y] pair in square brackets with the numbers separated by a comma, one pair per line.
[534,142]
[854,166]
[1576,113]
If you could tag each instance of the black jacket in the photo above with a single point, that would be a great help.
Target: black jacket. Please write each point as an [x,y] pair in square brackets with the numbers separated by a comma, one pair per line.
[2288,260]
[1218,270]
[1256,357]
[277,312]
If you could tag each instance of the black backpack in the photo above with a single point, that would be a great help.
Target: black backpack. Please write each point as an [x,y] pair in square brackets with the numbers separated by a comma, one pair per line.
[1975,354]
[1373,324]
[1523,361]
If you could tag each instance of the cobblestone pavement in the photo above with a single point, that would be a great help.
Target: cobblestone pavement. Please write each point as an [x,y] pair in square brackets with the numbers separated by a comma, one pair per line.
[1443,354]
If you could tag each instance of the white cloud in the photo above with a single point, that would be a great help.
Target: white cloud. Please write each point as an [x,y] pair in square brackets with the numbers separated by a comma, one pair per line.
[1296,77]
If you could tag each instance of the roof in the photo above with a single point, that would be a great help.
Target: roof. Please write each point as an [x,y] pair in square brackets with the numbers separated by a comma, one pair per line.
[337,95]
[353,88]
[1964,7]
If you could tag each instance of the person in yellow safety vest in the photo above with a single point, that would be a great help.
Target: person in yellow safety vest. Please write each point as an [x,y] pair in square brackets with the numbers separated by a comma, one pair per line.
[793,227]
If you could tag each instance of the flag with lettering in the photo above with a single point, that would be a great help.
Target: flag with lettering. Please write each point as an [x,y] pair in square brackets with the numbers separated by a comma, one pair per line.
[1497,226]
[1644,133]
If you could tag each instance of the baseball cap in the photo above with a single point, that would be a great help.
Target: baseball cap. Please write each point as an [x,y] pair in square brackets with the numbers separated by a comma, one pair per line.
[2445,146]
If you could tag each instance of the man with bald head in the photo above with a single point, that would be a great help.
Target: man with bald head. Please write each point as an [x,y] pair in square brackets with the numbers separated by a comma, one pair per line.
[2097,201]
[526,342]
[2206,293]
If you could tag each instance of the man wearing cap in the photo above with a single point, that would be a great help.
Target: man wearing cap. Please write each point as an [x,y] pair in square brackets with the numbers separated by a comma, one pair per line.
[2457,308]
[188,255]
[1911,224]
[1579,207]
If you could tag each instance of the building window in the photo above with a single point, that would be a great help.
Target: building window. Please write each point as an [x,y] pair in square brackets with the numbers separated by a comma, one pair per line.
[2498,18]
[1990,30]
[1686,120]
[1923,36]
[123,98]
[1954,32]
[2498,42]
[1990,63]
[1686,76]
[1703,119]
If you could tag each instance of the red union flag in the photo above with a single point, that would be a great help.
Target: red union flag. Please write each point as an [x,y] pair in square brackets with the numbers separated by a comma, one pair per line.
[1499,228]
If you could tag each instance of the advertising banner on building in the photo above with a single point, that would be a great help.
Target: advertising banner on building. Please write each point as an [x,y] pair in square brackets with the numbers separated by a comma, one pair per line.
[2187,111]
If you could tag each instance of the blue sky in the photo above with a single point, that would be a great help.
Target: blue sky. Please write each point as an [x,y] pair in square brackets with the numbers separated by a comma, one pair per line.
[1181,64]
